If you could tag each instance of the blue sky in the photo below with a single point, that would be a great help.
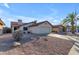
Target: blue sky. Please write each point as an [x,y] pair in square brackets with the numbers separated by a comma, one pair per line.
[28,12]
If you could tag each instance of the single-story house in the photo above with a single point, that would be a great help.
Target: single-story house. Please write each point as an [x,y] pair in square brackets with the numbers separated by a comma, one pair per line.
[57,28]
[68,29]
[1,26]
[41,28]
[34,27]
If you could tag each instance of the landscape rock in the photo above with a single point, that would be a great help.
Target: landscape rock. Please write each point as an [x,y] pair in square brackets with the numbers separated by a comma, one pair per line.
[16,44]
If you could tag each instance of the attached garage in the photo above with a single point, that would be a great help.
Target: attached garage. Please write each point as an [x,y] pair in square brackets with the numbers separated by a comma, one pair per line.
[41,28]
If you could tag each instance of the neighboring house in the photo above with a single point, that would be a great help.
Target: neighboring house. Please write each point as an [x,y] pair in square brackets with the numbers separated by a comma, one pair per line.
[15,25]
[34,27]
[57,28]
[68,29]
[1,26]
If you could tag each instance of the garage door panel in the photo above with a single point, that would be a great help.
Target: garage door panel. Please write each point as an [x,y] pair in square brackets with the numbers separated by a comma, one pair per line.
[41,30]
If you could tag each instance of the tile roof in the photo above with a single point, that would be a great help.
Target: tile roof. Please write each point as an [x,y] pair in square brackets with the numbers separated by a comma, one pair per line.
[35,24]
[40,23]
[55,26]
[16,23]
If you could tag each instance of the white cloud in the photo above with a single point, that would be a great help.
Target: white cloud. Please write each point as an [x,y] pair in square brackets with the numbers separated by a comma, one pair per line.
[6,5]
[52,20]
[8,17]
[54,11]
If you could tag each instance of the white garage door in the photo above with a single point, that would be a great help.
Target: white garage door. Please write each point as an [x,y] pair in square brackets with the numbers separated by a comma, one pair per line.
[42,30]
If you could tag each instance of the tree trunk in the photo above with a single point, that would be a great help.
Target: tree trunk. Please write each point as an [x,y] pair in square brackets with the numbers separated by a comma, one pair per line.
[72,27]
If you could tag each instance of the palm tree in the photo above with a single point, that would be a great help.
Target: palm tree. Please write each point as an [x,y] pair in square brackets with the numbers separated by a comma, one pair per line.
[71,18]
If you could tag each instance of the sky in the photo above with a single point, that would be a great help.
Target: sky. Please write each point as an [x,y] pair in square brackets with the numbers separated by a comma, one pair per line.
[28,12]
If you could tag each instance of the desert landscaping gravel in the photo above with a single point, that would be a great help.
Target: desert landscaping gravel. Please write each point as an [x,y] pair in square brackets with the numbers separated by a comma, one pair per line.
[39,46]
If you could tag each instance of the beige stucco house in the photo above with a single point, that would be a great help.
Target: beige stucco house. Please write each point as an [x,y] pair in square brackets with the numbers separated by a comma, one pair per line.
[41,28]
[37,28]
[57,28]
[34,27]
[1,26]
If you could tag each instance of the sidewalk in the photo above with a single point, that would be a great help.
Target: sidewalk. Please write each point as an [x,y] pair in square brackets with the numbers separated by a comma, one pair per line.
[74,50]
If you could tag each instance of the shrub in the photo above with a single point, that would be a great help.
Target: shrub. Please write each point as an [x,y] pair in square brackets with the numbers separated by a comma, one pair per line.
[17,35]
[7,30]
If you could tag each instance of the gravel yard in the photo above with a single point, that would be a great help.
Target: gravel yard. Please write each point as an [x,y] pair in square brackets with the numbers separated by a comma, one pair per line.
[43,45]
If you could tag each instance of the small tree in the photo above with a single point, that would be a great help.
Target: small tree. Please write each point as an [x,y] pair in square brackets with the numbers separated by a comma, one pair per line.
[71,18]
[64,28]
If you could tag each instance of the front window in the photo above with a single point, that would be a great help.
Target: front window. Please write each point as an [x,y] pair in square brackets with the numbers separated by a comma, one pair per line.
[25,28]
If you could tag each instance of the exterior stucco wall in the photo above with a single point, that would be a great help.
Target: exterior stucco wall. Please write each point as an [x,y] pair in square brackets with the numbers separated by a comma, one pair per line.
[55,29]
[1,26]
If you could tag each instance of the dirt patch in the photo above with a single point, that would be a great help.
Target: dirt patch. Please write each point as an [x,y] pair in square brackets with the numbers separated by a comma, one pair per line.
[52,46]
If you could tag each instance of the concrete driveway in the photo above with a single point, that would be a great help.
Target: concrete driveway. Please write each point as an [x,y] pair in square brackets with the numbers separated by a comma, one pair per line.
[75,49]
